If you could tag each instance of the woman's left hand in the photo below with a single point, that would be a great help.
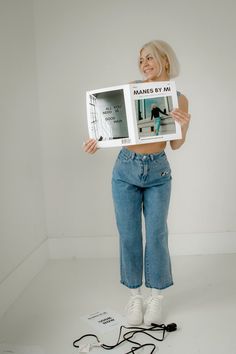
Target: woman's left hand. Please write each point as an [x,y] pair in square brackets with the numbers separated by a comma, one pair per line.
[183,118]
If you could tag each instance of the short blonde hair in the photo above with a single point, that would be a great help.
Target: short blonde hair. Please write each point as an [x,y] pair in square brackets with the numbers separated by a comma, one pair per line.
[162,49]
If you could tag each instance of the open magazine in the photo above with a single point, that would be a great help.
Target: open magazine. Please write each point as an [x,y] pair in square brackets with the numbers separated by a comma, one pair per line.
[133,114]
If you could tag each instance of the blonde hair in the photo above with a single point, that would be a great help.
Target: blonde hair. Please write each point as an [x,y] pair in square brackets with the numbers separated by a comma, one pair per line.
[162,49]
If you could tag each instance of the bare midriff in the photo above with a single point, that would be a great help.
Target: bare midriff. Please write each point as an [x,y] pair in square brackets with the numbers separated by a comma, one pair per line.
[150,148]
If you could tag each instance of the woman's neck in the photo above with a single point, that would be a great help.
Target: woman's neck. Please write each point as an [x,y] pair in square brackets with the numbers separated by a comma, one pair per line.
[162,77]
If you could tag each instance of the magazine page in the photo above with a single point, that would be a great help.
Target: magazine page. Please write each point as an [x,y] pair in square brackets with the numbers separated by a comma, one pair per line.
[132,114]
[152,104]
[108,113]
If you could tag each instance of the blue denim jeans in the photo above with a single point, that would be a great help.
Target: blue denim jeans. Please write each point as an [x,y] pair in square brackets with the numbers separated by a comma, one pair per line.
[142,183]
[157,123]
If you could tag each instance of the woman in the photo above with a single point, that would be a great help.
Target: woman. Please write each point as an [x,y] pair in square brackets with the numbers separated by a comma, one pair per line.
[155,113]
[141,182]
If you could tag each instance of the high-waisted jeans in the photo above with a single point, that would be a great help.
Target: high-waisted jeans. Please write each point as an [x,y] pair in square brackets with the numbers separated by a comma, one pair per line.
[142,182]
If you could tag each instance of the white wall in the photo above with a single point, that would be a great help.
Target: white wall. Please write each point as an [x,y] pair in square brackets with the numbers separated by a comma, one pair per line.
[90,44]
[22,222]
[51,52]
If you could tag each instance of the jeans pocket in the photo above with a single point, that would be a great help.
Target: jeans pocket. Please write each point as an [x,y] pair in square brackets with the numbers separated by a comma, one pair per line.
[161,167]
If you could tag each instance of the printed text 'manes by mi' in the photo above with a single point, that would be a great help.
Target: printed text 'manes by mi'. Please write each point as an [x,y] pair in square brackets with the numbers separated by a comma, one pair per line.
[151,90]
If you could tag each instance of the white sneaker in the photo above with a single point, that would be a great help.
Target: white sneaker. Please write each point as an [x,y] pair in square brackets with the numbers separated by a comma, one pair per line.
[134,310]
[153,313]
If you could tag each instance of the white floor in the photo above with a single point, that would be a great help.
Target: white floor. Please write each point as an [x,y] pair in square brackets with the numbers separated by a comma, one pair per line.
[202,303]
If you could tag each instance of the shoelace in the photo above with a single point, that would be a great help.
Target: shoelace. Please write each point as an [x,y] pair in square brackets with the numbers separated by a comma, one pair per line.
[154,301]
[134,303]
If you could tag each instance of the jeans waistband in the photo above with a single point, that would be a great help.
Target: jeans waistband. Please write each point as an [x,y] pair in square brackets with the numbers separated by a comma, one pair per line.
[133,155]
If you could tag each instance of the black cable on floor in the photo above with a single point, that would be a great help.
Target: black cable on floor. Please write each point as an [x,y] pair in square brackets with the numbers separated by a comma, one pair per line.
[128,337]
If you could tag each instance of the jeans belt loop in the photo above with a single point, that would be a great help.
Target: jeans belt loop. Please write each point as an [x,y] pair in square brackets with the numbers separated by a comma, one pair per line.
[152,157]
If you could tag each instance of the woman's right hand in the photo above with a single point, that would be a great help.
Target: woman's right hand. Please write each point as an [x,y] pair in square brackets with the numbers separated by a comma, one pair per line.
[90,146]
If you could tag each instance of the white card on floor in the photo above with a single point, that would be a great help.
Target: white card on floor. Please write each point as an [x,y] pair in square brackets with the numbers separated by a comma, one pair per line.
[105,320]
[20,349]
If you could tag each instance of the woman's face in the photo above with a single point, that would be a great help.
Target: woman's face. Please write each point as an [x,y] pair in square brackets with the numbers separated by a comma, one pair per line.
[150,67]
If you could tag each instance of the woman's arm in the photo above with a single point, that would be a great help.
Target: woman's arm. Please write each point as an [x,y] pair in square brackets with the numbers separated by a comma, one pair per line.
[163,112]
[181,116]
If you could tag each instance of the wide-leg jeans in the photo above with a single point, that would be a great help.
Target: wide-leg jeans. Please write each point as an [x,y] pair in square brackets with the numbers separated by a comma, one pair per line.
[142,183]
